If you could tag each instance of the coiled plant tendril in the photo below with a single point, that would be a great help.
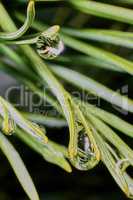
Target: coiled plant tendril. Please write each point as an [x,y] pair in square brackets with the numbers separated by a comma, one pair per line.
[29,19]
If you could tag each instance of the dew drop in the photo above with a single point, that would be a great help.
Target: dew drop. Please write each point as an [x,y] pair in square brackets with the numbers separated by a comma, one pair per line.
[49,45]
[86,157]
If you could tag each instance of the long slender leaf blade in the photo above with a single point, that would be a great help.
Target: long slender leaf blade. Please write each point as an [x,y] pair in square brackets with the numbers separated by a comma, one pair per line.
[18,167]
[104,10]
[94,87]
[98,53]
[101,36]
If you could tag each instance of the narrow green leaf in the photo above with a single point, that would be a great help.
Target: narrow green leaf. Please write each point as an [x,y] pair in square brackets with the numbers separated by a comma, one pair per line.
[107,117]
[87,61]
[112,138]
[52,152]
[121,153]
[101,36]
[94,87]
[104,10]
[99,53]
[18,167]
[110,163]
[46,120]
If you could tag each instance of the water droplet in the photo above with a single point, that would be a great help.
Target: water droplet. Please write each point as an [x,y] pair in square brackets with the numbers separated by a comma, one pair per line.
[86,157]
[49,45]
